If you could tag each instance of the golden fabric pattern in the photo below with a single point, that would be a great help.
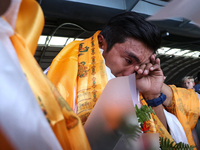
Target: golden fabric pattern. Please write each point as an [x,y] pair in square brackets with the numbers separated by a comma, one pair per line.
[83,64]
[185,106]
[155,125]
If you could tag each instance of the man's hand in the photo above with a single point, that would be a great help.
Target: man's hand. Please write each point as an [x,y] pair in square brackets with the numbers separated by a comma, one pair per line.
[149,81]
[149,78]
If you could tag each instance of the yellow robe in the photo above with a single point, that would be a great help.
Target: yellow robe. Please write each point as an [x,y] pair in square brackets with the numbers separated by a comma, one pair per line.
[185,106]
[64,122]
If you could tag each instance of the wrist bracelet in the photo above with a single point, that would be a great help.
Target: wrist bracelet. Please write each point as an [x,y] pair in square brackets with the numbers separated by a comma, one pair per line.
[156,101]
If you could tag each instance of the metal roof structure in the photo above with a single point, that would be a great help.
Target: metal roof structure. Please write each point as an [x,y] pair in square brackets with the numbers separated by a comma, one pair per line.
[72,19]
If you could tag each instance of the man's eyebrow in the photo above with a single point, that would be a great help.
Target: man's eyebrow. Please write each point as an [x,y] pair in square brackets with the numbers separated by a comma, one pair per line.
[133,56]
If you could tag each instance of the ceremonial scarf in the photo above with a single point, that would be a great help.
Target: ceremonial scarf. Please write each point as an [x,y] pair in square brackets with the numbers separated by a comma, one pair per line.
[65,124]
[80,67]
[185,106]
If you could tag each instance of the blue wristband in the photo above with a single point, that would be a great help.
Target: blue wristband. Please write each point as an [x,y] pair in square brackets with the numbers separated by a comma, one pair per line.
[156,101]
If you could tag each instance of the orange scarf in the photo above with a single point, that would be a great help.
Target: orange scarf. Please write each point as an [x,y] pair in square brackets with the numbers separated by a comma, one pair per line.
[185,106]
[80,66]
[65,124]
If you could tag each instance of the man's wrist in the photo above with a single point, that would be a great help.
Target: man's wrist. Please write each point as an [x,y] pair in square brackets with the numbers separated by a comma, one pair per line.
[156,101]
[150,96]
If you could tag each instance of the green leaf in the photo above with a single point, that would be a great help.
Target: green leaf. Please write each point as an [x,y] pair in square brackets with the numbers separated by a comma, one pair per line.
[166,144]
[144,113]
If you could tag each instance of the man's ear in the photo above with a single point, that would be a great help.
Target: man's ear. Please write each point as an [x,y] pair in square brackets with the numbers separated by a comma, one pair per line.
[4,4]
[102,42]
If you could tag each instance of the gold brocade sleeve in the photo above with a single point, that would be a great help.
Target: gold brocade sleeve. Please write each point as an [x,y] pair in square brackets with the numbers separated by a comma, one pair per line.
[155,124]
[64,122]
[185,106]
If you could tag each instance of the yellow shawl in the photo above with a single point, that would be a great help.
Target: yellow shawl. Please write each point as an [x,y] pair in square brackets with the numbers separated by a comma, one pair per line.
[185,106]
[80,67]
[65,124]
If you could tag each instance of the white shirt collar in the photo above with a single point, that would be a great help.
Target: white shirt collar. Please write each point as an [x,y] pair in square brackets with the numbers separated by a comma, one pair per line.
[5,28]
[108,71]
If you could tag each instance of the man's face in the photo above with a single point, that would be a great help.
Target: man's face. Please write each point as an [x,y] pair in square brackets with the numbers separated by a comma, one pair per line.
[123,57]
[188,84]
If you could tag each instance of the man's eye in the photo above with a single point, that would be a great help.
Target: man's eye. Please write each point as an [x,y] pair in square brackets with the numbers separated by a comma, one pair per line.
[129,61]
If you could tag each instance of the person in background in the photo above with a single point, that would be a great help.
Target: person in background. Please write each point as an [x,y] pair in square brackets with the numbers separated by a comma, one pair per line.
[188,82]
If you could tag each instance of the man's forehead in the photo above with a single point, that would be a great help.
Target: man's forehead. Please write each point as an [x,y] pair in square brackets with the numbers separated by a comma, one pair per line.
[188,80]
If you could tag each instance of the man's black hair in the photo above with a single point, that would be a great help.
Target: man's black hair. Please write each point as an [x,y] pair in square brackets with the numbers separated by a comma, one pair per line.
[131,25]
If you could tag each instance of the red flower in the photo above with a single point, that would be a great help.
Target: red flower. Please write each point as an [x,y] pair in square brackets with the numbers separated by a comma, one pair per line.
[145,128]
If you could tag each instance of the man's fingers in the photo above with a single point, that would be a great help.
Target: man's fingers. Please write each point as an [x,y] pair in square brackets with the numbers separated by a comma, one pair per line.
[144,69]
[147,68]
[153,59]
[156,65]
[141,69]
